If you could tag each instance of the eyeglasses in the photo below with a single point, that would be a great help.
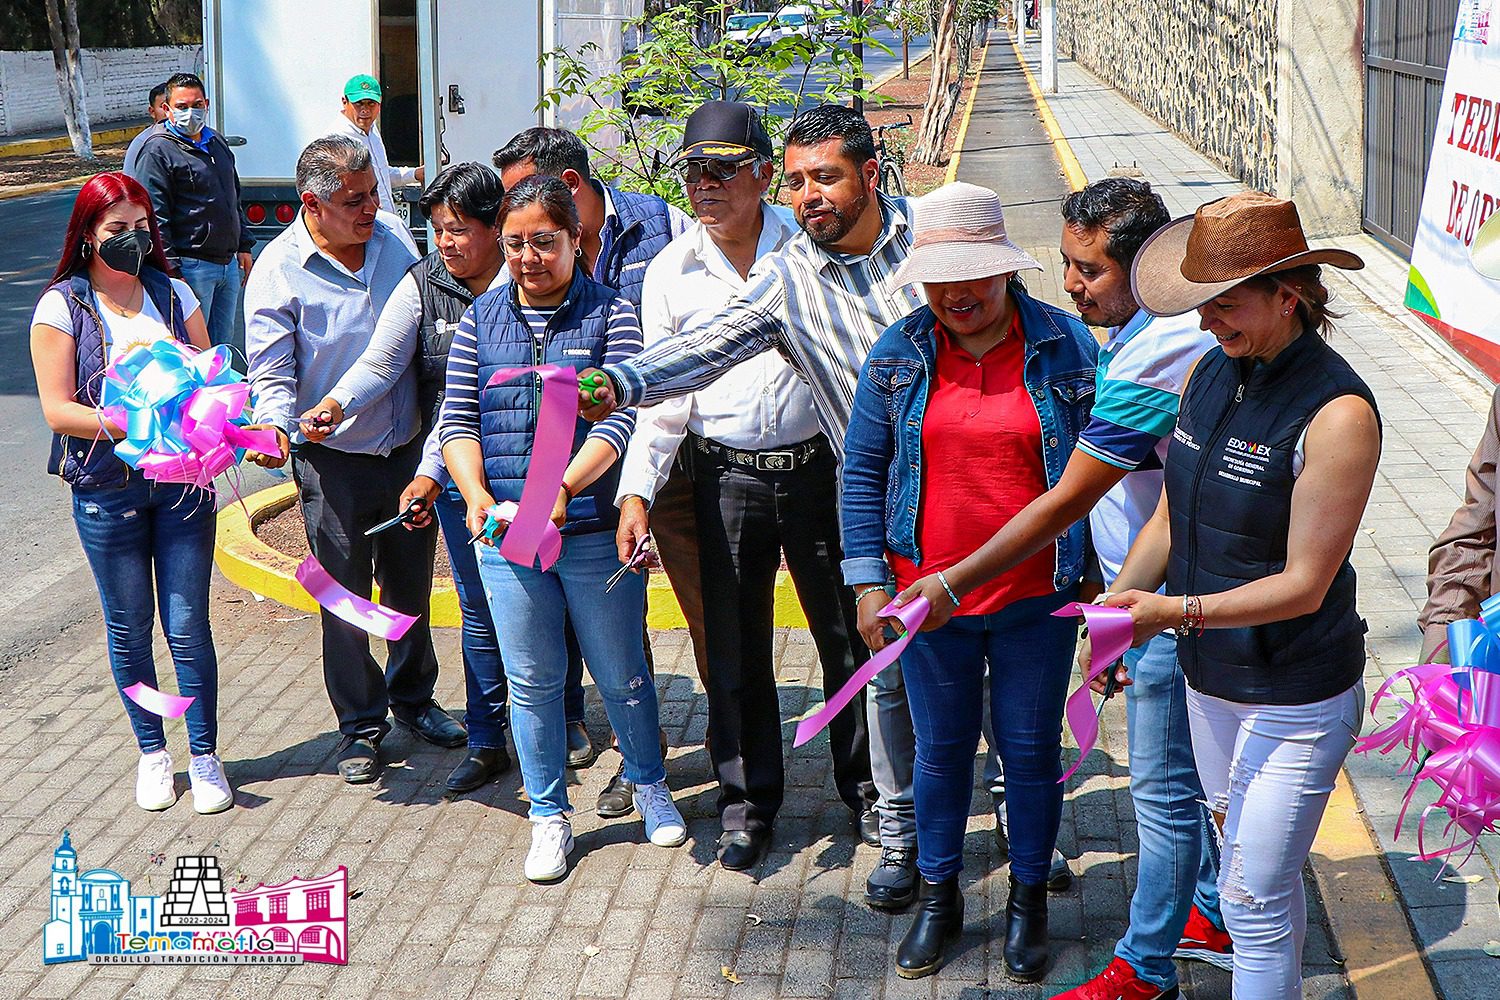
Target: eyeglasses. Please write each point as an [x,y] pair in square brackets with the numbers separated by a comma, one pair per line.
[692,171]
[542,243]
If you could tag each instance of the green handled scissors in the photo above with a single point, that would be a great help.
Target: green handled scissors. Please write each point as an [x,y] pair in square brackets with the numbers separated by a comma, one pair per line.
[592,388]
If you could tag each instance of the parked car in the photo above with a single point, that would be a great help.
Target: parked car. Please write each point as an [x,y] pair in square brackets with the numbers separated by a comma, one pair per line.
[754,31]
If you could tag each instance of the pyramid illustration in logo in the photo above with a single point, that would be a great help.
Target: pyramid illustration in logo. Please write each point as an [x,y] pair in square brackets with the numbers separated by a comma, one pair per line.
[196,895]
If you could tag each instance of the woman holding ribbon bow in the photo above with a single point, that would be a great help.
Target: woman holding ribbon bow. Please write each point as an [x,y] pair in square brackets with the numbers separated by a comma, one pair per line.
[149,543]
[552,313]
[966,412]
[1267,478]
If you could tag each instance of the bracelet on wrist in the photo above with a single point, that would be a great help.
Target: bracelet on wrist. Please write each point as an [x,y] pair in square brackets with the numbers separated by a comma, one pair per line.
[863,592]
[951,595]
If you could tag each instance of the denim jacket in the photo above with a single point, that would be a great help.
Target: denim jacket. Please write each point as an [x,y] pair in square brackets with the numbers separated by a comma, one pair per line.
[882,478]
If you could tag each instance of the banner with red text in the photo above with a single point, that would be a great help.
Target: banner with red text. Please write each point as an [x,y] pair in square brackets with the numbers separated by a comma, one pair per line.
[1462,190]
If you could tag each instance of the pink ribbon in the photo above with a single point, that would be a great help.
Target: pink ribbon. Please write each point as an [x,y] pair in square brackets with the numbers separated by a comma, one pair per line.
[528,539]
[168,706]
[1111,632]
[550,548]
[341,602]
[911,616]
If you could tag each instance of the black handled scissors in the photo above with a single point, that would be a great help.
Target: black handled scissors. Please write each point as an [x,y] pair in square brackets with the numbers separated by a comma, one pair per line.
[411,513]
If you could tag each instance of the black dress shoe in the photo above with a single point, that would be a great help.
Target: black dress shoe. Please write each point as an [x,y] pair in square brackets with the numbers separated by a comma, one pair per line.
[433,724]
[1026,950]
[581,751]
[742,849]
[893,884]
[1059,876]
[478,768]
[940,921]
[867,825]
[618,797]
[359,762]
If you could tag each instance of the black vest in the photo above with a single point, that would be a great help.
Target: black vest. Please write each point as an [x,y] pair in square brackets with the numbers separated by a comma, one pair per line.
[444,301]
[1229,489]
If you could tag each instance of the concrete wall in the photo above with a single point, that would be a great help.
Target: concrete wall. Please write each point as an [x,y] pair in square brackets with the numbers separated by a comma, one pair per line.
[1204,68]
[1271,90]
[117,82]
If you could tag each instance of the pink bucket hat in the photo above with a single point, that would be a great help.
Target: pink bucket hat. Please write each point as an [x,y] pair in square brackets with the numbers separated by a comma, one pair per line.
[959,235]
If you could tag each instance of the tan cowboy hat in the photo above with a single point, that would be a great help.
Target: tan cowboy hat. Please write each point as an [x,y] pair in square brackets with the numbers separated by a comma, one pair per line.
[959,235]
[1484,253]
[1195,258]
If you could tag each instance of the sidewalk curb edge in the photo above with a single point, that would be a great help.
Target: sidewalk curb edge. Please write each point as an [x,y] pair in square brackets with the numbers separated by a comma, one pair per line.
[1071,168]
[56,144]
[1366,917]
[26,190]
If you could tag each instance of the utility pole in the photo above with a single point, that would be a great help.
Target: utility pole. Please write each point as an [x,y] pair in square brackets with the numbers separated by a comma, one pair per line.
[1019,8]
[1049,46]
[856,9]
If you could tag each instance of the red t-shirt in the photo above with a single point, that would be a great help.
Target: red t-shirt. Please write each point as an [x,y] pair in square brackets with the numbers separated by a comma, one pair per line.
[981,464]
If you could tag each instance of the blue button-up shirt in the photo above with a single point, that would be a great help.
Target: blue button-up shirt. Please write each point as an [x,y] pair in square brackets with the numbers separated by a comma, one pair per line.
[308,319]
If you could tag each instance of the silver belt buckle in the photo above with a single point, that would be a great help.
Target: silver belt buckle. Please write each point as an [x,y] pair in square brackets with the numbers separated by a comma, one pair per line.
[775,461]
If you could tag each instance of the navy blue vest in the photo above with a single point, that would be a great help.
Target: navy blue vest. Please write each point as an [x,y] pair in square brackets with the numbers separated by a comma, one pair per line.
[445,299]
[84,462]
[576,336]
[1229,489]
[639,230]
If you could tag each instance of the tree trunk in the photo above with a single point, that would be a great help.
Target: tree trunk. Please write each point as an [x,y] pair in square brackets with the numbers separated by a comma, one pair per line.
[67,60]
[942,94]
[905,54]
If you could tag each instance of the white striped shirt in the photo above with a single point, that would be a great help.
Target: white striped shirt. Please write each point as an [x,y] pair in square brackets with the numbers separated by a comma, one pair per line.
[822,310]
[460,414]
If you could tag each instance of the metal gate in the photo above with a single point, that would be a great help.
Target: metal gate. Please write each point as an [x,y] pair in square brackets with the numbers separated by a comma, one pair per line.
[1406,58]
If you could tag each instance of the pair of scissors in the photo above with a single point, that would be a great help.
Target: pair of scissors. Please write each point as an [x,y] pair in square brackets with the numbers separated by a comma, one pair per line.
[592,388]
[1111,685]
[491,526]
[642,550]
[411,513]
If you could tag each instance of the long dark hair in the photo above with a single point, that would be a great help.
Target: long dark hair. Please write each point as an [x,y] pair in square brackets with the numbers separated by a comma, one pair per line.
[99,195]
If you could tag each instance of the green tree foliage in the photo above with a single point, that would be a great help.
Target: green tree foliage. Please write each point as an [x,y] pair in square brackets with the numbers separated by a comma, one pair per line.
[635,114]
[106,24]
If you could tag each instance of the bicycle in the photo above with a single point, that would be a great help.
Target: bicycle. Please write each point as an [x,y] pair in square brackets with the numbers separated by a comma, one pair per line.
[890,168]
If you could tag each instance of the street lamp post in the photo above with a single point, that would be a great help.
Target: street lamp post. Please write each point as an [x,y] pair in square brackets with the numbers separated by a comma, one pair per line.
[856,8]
[1018,7]
[1049,46]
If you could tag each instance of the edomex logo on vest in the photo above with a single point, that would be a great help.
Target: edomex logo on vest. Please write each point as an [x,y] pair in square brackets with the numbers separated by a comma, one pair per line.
[97,918]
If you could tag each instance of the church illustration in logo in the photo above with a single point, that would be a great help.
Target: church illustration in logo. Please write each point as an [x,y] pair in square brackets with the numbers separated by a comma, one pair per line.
[94,913]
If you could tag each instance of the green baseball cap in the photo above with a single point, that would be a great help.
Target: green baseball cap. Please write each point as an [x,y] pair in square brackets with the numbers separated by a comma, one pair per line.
[363,87]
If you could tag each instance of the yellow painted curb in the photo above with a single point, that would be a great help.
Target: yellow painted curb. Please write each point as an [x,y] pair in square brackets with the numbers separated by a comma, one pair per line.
[56,144]
[963,125]
[1382,958]
[1072,170]
[250,563]
[30,189]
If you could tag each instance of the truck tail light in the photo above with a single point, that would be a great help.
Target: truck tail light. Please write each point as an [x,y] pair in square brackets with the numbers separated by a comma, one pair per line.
[285,213]
[255,212]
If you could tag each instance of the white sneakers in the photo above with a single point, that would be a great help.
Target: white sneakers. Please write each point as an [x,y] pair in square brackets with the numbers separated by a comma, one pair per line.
[154,790]
[664,825]
[551,843]
[211,791]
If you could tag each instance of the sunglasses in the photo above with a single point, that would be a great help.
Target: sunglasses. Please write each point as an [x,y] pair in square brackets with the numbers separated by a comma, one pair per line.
[692,171]
[542,243]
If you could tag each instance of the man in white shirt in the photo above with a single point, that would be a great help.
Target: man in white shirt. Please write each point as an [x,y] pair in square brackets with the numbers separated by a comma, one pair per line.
[361,107]
[763,480]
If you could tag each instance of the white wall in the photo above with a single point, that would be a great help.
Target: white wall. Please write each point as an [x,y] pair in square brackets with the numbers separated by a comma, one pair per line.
[117,81]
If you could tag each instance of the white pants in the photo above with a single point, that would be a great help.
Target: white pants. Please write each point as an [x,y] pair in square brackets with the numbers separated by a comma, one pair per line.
[1268,771]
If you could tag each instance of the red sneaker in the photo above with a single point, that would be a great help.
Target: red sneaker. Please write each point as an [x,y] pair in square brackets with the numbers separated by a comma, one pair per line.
[1118,981]
[1203,942]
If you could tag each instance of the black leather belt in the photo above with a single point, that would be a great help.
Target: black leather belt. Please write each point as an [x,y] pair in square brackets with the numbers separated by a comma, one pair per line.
[770,460]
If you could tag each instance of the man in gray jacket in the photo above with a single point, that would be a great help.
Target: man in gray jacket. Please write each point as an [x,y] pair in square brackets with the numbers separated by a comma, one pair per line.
[188,170]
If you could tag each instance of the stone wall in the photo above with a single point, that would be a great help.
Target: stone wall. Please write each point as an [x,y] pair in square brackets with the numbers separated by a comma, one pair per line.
[117,82]
[1204,68]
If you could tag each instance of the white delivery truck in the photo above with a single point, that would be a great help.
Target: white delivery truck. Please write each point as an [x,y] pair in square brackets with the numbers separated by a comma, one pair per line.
[460,77]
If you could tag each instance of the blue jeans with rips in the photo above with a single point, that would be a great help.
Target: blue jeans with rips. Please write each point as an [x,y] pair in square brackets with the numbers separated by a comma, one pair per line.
[1176,865]
[1028,653]
[529,606]
[484,671]
[151,546]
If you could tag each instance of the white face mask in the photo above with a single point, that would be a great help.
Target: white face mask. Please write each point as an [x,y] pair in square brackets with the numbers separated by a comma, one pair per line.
[189,120]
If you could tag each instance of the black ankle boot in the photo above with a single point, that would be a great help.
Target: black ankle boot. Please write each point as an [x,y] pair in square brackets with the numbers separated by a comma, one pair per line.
[940,920]
[1026,932]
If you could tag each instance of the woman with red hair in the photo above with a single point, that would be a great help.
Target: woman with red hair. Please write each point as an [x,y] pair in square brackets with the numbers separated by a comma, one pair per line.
[145,541]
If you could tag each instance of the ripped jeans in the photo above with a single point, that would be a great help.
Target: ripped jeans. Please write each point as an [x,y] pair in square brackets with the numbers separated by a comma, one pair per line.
[1268,770]
[528,606]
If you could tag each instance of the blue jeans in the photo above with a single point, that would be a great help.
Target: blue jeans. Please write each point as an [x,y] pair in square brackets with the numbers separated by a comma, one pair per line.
[1176,867]
[218,289]
[152,546]
[529,606]
[484,672]
[1029,654]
